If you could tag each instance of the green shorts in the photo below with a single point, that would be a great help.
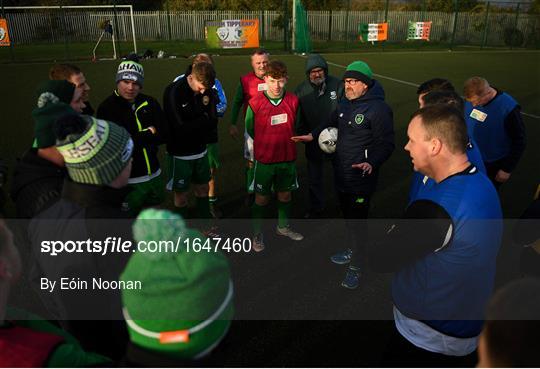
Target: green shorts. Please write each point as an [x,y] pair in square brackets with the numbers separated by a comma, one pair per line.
[213,155]
[149,193]
[276,177]
[184,172]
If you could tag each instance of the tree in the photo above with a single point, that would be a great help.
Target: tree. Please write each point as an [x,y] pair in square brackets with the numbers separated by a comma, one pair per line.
[535,7]
[449,5]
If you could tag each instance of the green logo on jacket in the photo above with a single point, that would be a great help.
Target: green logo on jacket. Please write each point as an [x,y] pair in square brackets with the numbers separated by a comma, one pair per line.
[359,118]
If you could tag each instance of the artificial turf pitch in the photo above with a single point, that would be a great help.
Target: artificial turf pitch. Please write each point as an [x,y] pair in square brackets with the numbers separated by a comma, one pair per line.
[517,72]
[298,277]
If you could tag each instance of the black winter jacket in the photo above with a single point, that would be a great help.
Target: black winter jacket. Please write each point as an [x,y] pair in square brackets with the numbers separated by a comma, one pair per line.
[365,134]
[317,103]
[136,118]
[36,185]
[192,118]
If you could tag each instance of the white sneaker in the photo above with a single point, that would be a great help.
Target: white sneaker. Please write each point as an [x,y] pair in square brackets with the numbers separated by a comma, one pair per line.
[258,243]
[288,232]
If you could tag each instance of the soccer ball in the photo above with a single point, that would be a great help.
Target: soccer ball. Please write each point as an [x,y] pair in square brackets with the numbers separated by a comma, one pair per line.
[328,140]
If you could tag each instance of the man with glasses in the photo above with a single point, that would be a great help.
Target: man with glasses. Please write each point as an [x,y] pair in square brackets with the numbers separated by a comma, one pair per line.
[365,141]
[318,95]
[494,121]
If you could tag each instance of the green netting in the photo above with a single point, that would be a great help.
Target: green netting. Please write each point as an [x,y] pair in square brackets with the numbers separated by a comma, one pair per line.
[301,30]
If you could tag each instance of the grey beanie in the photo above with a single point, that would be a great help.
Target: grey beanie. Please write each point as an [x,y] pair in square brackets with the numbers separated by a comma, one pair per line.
[131,71]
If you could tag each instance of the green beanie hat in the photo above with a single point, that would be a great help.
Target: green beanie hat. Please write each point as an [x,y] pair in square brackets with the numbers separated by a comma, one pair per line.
[186,302]
[130,70]
[95,151]
[360,71]
[53,99]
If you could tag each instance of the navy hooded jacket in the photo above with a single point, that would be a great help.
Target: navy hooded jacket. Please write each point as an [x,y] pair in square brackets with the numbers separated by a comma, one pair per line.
[365,134]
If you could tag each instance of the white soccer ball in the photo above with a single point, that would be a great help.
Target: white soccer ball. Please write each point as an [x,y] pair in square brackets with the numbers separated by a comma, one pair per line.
[328,140]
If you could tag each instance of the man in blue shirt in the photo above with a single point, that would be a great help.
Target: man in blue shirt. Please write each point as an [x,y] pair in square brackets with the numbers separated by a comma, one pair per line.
[444,250]
[494,121]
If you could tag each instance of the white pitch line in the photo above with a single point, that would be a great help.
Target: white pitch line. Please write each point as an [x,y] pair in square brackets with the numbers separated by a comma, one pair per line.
[381,76]
[415,85]
[531,115]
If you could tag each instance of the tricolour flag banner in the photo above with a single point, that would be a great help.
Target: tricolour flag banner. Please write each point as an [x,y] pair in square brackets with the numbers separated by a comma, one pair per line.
[418,30]
[4,33]
[373,32]
[232,34]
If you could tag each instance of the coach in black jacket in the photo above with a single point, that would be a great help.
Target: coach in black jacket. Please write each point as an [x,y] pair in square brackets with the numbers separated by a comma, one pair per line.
[365,141]
[142,117]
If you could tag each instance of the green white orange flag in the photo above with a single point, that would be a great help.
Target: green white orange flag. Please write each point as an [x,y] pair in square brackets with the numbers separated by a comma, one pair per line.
[373,32]
[418,30]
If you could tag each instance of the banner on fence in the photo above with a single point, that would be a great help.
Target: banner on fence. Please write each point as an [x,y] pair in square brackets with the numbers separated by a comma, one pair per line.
[4,33]
[373,32]
[418,30]
[232,34]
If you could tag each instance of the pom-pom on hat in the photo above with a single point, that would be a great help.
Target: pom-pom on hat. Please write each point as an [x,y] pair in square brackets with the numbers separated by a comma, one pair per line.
[52,101]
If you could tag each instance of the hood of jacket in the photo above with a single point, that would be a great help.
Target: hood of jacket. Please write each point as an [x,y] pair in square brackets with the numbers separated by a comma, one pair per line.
[316,61]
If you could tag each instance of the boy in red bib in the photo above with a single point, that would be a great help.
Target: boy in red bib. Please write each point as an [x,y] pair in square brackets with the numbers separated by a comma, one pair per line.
[270,120]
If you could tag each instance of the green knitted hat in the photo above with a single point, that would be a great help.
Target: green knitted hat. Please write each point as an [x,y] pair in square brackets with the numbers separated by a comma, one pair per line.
[95,153]
[53,99]
[360,71]
[191,293]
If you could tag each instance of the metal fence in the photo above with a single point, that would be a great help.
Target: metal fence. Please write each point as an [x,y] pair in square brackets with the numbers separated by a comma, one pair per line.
[327,28]
[472,29]
[52,26]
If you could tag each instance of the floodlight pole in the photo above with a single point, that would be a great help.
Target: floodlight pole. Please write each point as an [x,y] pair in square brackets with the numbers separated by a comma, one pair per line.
[168,19]
[116,29]
[66,52]
[262,25]
[514,32]
[456,8]
[347,25]
[484,38]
